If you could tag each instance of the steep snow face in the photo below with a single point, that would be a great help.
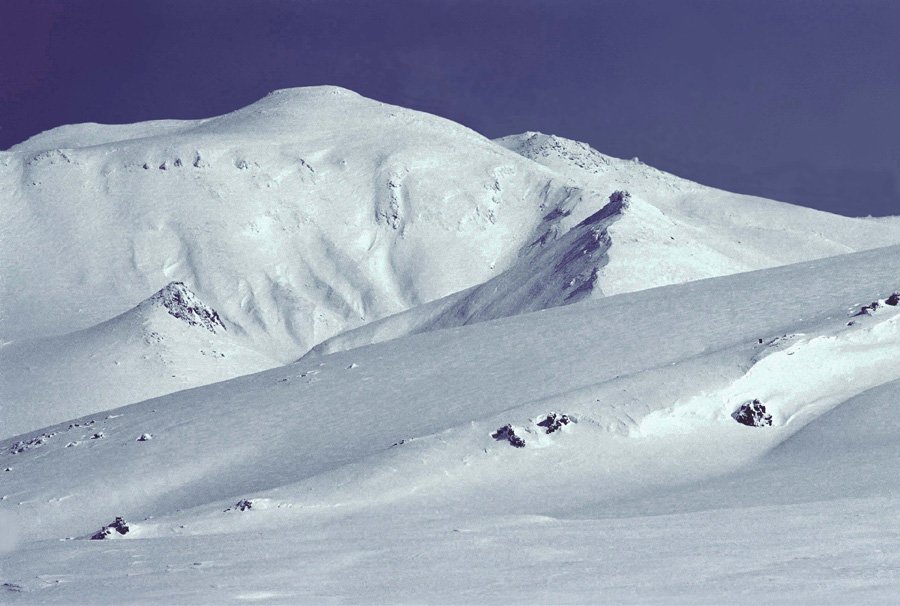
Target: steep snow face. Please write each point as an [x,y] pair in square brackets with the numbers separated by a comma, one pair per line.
[309,212]
[171,341]
[558,268]
[679,230]
[671,231]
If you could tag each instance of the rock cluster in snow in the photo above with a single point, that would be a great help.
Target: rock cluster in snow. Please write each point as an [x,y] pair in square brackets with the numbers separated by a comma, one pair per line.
[242,505]
[119,526]
[23,445]
[183,304]
[508,434]
[554,422]
[868,310]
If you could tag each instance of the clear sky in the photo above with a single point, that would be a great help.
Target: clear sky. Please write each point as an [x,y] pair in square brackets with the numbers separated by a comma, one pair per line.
[795,100]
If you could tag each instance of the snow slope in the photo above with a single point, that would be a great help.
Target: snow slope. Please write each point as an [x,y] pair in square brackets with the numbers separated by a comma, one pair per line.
[373,476]
[169,342]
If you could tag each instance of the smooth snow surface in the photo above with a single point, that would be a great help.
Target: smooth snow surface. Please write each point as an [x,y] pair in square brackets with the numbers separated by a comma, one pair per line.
[372,476]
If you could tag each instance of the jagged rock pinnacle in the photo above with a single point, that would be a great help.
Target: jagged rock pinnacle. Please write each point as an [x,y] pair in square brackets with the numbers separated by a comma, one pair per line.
[183,304]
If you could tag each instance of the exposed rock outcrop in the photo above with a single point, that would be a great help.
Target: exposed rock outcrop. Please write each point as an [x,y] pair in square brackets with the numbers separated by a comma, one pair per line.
[183,304]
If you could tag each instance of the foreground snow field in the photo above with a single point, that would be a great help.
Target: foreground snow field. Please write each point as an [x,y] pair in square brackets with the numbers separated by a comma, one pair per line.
[373,474]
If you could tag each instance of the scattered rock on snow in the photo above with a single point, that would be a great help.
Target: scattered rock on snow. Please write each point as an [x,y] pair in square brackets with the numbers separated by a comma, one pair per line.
[752,414]
[97,435]
[508,433]
[74,425]
[871,308]
[242,505]
[554,422]
[23,445]
[145,437]
[119,526]
[868,310]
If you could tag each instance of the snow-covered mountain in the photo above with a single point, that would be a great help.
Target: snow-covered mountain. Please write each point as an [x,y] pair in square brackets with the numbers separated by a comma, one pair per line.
[315,211]
[540,374]
[388,462]
[309,212]
[171,341]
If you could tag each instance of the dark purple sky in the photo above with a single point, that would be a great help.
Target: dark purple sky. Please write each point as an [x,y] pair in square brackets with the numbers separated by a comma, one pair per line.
[796,100]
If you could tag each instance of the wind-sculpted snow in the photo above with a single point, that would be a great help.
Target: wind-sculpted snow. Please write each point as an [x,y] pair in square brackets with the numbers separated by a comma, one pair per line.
[795,383]
[316,211]
[461,447]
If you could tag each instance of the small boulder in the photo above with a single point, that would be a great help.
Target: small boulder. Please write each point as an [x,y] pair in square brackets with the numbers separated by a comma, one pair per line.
[145,437]
[752,414]
[508,433]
